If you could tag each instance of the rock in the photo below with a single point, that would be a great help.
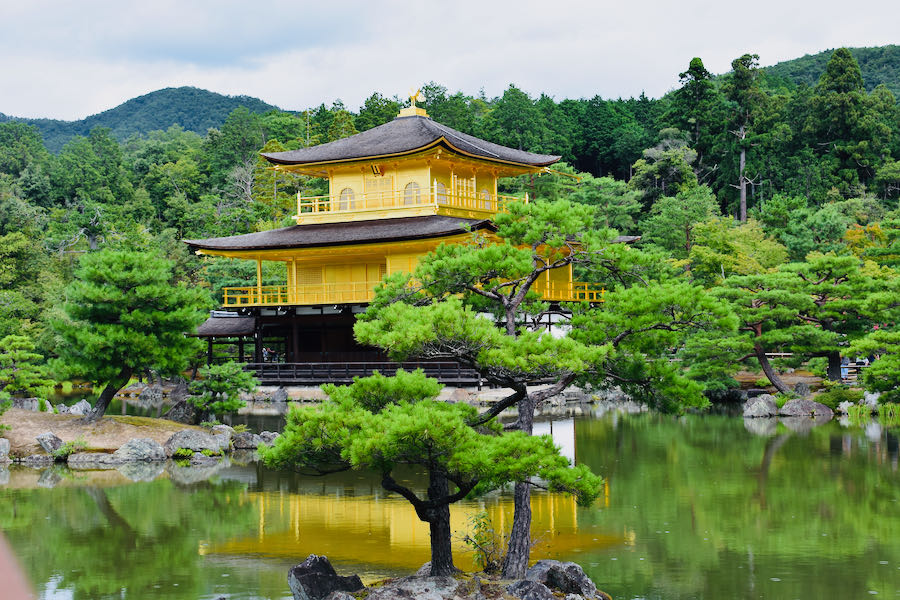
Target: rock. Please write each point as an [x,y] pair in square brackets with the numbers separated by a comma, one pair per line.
[246,441]
[49,442]
[180,392]
[151,395]
[801,388]
[340,596]
[192,440]
[420,588]
[567,577]
[315,579]
[223,435]
[140,449]
[182,412]
[32,404]
[460,395]
[4,475]
[268,437]
[844,407]
[871,398]
[244,457]
[142,471]
[424,570]
[574,597]
[49,478]
[761,406]
[529,590]
[280,395]
[4,451]
[80,408]
[200,460]
[38,460]
[220,429]
[804,408]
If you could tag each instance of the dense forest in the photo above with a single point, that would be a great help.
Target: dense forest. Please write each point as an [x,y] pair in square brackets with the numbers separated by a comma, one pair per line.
[727,177]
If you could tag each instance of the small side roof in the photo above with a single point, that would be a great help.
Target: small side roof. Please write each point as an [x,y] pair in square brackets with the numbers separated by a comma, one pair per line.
[405,135]
[340,234]
[226,327]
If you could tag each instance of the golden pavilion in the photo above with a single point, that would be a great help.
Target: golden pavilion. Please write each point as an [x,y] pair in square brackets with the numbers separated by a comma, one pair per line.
[396,192]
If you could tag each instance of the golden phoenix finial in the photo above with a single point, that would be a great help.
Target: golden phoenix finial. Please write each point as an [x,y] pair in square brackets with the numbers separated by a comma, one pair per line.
[415,95]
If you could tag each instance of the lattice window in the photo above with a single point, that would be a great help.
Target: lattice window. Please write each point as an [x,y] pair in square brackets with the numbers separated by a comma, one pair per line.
[485,199]
[347,199]
[412,194]
[441,193]
[309,275]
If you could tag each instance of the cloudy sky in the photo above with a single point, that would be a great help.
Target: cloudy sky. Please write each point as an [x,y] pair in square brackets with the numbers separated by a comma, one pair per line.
[67,59]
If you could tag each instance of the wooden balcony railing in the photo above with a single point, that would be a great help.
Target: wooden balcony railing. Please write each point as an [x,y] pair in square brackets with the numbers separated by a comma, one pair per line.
[401,199]
[363,292]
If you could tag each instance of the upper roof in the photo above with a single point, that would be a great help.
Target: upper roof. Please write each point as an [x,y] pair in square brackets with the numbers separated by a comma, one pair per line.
[226,327]
[405,135]
[339,234]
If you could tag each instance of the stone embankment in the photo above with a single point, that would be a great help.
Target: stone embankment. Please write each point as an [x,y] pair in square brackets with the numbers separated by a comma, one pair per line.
[316,579]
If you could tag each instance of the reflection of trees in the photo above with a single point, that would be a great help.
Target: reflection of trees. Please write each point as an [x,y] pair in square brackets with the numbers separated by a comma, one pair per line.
[819,522]
[100,541]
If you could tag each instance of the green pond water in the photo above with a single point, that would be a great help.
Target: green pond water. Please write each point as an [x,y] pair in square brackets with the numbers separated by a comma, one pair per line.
[696,507]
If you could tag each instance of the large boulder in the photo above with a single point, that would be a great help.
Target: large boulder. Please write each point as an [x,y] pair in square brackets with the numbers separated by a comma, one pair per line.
[140,449]
[280,395]
[182,412]
[268,437]
[761,406]
[49,442]
[426,588]
[529,590]
[4,451]
[315,579]
[32,404]
[80,408]
[801,388]
[223,435]
[565,577]
[192,439]
[246,441]
[802,407]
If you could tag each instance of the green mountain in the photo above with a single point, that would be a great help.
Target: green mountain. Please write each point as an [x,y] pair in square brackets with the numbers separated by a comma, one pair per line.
[192,108]
[878,65]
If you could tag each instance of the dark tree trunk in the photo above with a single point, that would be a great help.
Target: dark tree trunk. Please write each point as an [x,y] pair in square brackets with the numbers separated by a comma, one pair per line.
[106,396]
[769,371]
[834,366]
[439,523]
[519,549]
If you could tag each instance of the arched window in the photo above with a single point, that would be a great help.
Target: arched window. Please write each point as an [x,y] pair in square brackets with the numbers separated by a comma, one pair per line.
[347,199]
[441,192]
[486,199]
[412,194]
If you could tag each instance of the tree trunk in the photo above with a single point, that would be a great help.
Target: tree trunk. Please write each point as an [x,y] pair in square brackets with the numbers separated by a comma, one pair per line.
[743,186]
[834,366]
[769,371]
[439,523]
[114,385]
[519,549]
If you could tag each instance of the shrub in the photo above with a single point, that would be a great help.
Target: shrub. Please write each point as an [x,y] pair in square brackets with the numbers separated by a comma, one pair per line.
[837,394]
[486,542]
[242,428]
[5,403]
[218,390]
[183,453]
[208,452]
[63,452]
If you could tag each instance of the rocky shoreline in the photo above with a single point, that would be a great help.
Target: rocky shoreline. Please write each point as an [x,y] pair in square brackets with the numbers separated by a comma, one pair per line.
[316,579]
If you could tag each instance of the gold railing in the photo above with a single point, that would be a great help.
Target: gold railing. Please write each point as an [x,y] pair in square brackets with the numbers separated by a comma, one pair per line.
[576,291]
[282,295]
[362,292]
[399,199]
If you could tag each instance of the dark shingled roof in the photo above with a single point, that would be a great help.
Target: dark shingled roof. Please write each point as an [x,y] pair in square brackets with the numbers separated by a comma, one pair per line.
[226,327]
[339,234]
[404,135]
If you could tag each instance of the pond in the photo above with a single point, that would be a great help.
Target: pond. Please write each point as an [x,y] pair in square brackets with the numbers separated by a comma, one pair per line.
[693,507]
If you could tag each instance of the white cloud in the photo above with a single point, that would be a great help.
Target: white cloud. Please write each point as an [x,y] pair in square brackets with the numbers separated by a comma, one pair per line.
[68,60]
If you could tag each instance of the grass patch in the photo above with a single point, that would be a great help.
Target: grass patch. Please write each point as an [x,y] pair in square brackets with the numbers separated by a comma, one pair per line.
[63,452]
[837,394]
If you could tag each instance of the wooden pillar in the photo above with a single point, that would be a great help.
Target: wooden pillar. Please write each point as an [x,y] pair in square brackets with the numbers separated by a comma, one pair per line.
[257,354]
[259,280]
[209,351]
[240,349]
[295,338]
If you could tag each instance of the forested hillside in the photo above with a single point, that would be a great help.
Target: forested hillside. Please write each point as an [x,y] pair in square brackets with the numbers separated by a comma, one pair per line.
[726,178]
[880,65]
[191,108]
